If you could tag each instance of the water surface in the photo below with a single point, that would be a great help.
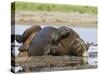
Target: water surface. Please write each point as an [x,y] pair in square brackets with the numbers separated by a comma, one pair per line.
[87,34]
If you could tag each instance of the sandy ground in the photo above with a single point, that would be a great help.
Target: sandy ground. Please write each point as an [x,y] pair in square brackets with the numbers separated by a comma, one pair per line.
[54,18]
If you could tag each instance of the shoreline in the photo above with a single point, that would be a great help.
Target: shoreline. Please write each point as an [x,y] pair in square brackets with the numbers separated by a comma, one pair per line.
[54,18]
[60,24]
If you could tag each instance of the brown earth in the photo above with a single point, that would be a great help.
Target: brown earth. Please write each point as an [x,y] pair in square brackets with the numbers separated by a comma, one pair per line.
[55,18]
[53,63]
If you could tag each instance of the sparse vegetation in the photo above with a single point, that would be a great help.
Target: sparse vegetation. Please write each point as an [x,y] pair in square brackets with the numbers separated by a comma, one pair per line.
[54,7]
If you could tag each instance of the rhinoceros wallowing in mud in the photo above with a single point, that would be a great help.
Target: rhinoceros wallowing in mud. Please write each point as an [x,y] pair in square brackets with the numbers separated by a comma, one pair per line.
[52,41]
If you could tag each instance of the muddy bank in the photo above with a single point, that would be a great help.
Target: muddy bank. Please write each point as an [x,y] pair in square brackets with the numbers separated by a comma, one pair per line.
[55,18]
[53,63]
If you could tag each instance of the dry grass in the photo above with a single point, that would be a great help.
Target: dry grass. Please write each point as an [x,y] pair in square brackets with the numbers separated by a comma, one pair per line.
[55,18]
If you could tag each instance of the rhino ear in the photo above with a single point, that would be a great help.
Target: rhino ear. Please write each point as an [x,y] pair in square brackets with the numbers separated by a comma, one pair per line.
[63,31]
[19,38]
